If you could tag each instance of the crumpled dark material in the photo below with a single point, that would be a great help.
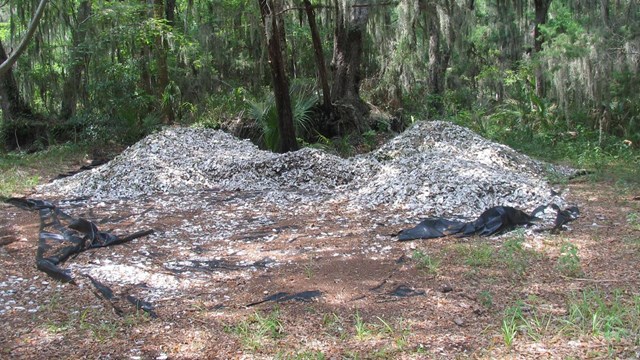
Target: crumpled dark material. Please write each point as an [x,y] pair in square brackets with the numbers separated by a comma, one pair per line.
[62,236]
[494,220]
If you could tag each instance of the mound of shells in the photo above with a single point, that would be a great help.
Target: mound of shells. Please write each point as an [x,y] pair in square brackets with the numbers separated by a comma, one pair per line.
[433,168]
[438,168]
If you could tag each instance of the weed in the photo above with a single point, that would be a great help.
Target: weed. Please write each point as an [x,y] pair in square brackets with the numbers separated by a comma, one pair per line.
[569,262]
[309,269]
[369,138]
[509,326]
[514,255]
[17,169]
[426,262]
[536,325]
[481,255]
[633,219]
[362,328]
[334,325]
[595,313]
[258,329]
[486,299]
[105,330]
[304,355]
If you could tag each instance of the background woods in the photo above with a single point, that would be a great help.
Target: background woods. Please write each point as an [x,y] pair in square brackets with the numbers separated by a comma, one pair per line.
[114,71]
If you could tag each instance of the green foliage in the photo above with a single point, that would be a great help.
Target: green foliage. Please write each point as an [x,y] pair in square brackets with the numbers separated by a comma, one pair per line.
[426,262]
[514,255]
[20,171]
[596,313]
[485,298]
[334,325]
[220,108]
[569,261]
[303,98]
[362,329]
[258,329]
[509,326]
[480,255]
[633,219]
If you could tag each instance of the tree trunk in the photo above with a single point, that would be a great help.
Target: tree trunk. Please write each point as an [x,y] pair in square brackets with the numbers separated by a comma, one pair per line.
[347,59]
[436,73]
[8,62]
[170,12]
[20,127]
[287,135]
[604,5]
[161,45]
[541,10]
[13,106]
[72,85]
[317,47]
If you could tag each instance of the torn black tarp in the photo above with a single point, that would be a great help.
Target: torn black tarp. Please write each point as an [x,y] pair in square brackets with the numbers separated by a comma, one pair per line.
[494,220]
[62,236]
[304,296]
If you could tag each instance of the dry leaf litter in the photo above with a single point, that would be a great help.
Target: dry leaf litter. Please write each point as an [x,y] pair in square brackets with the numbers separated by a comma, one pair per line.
[224,211]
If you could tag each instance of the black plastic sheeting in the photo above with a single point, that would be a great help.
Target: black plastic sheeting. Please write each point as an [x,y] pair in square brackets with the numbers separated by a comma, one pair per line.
[493,221]
[62,236]
[405,291]
[304,296]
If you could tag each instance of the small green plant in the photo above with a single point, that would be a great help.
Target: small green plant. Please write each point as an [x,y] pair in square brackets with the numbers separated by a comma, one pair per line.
[265,114]
[426,262]
[361,328]
[569,261]
[633,219]
[309,268]
[258,329]
[536,325]
[514,255]
[334,325]
[481,255]
[596,313]
[21,171]
[509,326]
[369,138]
[485,298]
[303,355]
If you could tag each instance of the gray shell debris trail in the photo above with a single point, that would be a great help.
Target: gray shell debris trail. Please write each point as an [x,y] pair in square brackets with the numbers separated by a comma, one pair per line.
[433,168]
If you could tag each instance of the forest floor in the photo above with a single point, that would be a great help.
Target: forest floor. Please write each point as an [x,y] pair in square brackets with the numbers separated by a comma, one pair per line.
[355,292]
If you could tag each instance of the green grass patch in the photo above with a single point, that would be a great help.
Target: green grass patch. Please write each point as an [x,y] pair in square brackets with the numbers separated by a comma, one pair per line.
[20,171]
[514,255]
[633,219]
[569,261]
[258,330]
[301,355]
[480,255]
[426,262]
[611,316]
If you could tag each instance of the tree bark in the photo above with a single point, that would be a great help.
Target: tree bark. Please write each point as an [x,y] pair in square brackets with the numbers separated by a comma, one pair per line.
[170,12]
[436,81]
[73,83]
[541,10]
[13,106]
[317,47]
[347,59]
[7,63]
[287,135]
[161,45]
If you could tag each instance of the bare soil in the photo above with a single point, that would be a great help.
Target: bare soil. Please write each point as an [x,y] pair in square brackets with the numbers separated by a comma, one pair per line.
[367,295]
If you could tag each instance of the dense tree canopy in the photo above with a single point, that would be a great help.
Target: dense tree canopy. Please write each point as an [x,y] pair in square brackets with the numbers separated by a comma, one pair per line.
[116,70]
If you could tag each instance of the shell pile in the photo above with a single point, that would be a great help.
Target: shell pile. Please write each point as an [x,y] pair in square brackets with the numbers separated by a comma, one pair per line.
[433,168]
